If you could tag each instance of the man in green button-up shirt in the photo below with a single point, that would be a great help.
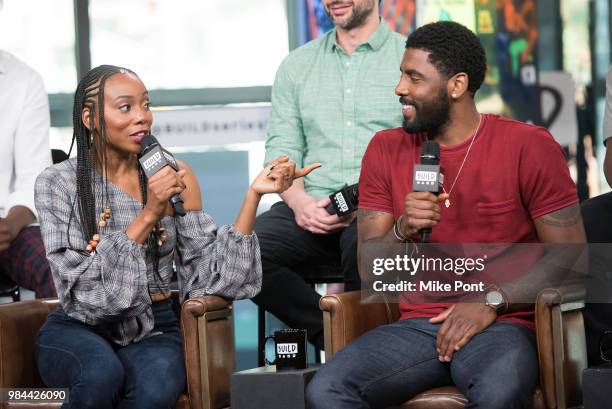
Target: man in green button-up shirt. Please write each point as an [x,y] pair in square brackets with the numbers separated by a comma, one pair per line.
[329,98]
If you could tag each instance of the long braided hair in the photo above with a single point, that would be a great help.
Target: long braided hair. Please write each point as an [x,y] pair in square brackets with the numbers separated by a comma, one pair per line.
[91,152]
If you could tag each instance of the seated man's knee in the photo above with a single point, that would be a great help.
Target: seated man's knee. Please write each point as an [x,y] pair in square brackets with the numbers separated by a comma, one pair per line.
[325,389]
[316,393]
[502,397]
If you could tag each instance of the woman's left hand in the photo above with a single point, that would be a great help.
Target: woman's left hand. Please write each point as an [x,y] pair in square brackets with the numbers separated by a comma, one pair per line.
[279,175]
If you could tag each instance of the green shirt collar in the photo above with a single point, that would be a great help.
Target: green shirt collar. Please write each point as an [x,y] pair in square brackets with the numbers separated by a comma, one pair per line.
[375,41]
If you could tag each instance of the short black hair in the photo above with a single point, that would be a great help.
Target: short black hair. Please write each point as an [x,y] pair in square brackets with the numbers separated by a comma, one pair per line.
[452,48]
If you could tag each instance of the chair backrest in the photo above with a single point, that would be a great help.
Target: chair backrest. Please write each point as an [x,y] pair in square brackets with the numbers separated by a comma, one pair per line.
[19,324]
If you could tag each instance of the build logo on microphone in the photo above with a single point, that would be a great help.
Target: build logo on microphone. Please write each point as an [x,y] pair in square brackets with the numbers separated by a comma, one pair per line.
[152,161]
[339,199]
[426,177]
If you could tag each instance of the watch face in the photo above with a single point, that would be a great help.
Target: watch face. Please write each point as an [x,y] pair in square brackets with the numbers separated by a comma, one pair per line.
[494,298]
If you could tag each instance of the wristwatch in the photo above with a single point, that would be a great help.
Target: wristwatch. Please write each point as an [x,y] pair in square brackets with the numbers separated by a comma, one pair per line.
[495,299]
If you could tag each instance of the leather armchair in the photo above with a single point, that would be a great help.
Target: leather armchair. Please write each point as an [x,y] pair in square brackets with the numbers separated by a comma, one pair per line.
[208,342]
[559,331]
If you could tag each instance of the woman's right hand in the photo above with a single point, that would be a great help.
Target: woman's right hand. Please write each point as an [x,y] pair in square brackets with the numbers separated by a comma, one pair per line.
[279,175]
[161,186]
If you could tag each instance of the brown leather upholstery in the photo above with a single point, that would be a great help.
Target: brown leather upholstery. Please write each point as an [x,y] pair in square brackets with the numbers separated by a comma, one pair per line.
[208,341]
[561,345]
[559,330]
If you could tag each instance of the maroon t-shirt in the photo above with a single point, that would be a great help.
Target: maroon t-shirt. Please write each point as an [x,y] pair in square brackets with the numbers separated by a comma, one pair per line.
[514,173]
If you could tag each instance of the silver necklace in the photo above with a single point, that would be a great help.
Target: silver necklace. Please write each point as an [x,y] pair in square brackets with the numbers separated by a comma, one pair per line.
[447,202]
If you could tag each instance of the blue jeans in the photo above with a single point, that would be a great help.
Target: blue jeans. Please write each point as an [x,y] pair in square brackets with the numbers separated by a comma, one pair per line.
[387,366]
[149,374]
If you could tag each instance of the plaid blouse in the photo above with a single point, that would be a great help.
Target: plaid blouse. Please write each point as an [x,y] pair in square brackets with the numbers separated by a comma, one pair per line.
[111,288]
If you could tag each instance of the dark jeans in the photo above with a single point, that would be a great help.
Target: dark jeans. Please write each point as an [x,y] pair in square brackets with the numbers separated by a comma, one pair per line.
[26,263]
[149,374]
[387,366]
[284,246]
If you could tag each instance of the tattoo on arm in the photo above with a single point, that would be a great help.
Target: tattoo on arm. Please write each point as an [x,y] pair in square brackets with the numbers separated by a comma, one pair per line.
[368,214]
[566,217]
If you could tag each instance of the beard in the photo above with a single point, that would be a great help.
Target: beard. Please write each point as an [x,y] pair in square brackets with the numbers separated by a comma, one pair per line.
[431,116]
[361,11]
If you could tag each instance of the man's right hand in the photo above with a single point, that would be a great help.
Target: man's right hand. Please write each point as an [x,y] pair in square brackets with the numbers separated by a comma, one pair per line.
[311,215]
[421,210]
[6,237]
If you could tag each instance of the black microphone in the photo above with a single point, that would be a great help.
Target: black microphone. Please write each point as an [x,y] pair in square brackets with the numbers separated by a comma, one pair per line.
[153,159]
[344,201]
[427,176]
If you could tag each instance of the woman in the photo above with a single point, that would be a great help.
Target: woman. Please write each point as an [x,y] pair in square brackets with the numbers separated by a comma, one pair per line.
[111,240]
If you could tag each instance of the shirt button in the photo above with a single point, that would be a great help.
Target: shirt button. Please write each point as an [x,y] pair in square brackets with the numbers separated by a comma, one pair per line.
[348,63]
[349,123]
[348,91]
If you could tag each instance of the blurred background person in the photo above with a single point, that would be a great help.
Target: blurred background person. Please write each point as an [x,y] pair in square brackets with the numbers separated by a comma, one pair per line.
[328,99]
[25,152]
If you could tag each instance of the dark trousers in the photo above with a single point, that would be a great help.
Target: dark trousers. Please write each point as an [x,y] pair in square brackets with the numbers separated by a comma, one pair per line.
[149,374]
[286,246]
[26,263]
[497,369]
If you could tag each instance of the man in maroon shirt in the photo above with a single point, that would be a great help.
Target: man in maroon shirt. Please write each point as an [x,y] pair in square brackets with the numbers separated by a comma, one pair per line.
[504,182]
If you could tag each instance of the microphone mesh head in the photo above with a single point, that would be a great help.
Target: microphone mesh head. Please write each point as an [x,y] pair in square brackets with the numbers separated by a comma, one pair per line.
[430,153]
[147,141]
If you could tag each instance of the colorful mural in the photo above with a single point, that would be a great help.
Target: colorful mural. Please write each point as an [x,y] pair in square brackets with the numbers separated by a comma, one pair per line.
[507,29]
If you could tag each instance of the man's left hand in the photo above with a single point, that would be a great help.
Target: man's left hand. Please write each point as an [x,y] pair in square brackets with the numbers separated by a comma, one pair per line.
[460,323]
[338,222]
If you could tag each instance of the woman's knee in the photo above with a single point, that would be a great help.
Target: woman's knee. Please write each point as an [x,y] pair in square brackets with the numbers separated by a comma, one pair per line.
[98,386]
[154,394]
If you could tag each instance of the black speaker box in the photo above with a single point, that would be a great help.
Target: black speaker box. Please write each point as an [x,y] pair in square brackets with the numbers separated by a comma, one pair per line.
[597,387]
[267,388]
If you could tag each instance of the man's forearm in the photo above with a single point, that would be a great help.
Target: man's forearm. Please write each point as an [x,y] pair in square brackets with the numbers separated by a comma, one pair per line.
[561,265]
[364,257]
[295,193]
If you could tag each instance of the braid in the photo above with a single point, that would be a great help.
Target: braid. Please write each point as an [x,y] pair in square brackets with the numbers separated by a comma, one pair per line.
[89,87]
[90,95]
[151,241]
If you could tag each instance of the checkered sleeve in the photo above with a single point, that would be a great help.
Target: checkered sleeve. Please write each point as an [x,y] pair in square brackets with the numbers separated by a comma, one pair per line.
[216,261]
[108,285]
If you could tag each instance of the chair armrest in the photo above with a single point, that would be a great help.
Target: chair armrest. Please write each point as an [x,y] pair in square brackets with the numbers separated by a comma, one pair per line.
[208,342]
[345,317]
[561,344]
[563,295]
[19,325]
